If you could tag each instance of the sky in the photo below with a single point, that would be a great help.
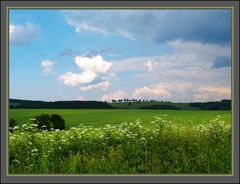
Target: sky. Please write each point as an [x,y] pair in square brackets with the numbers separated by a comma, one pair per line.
[165,55]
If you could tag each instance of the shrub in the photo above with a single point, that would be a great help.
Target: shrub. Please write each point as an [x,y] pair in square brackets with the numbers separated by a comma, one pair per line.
[57,121]
[12,123]
[43,121]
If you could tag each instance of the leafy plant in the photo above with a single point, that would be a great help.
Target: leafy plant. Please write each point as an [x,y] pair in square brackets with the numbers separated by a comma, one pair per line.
[12,123]
[57,122]
[43,121]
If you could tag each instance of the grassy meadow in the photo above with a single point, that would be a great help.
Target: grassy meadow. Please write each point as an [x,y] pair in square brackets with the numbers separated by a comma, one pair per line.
[126,148]
[159,142]
[100,117]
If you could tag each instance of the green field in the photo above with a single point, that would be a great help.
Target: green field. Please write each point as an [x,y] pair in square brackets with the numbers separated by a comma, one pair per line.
[166,144]
[98,117]
[127,148]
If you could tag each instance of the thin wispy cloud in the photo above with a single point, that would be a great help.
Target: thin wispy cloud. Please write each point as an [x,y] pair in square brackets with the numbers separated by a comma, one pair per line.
[92,52]
[70,52]
[208,26]
[200,49]
[190,61]
[135,63]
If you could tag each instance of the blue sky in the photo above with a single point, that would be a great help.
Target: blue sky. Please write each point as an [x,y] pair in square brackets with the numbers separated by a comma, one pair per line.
[173,55]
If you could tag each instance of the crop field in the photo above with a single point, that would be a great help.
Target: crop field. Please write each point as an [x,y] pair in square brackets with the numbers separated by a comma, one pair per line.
[100,117]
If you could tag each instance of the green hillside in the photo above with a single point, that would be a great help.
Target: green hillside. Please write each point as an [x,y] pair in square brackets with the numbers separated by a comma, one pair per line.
[138,105]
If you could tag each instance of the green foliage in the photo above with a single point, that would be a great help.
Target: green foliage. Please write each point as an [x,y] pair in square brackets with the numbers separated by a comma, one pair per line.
[121,104]
[43,121]
[222,105]
[165,147]
[47,122]
[57,122]
[153,105]
[12,123]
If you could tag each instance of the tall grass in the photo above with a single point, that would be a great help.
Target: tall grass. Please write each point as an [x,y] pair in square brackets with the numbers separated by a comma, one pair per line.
[127,148]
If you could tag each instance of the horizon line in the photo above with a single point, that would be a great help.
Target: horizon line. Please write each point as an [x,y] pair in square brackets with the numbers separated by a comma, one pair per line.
[117,101]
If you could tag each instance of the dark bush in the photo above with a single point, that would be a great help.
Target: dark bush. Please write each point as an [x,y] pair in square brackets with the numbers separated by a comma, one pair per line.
[12,123]
[57,121]
[43,121]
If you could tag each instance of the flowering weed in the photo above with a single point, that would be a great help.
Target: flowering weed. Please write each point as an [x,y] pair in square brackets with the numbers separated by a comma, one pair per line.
[127,148]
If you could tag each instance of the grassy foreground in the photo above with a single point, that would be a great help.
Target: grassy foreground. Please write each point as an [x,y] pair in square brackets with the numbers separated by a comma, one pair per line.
[127,148]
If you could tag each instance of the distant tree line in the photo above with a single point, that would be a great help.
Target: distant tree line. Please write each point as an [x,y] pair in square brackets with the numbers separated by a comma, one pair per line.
[130,100]
[222,105]
[27,104]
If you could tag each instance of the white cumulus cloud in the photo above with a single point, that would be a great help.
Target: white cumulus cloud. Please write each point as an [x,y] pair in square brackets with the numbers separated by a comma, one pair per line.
[95,64]
[221,90]
[90,67]
[155,92]
[212,93]
[135,63]
[23,34]
[207,50]
[47,66]
[117,95]
[80,98]
[101,85]
[73,79]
